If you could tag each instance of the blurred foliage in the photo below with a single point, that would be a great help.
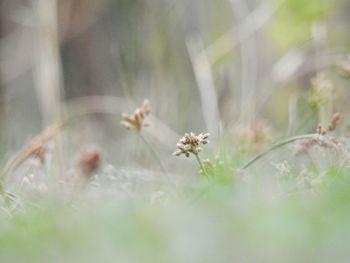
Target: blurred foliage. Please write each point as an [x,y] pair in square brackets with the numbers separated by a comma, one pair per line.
[224,226]
[293,22]
[285,208]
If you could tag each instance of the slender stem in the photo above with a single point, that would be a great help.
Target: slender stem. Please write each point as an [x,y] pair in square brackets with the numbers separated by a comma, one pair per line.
[201,165]
[155,155]
[276,146]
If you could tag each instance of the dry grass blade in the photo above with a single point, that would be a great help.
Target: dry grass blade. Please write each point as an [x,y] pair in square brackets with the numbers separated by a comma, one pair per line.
[206,86]
[248,56]
[31,149]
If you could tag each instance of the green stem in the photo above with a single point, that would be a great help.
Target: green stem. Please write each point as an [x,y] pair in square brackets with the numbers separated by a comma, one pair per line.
[155,155]
[276,146]
[201,165]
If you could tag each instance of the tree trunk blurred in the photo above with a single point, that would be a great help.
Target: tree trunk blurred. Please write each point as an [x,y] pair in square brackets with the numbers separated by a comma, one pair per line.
[2,102]
[48,61]
[1,37]
[77,37]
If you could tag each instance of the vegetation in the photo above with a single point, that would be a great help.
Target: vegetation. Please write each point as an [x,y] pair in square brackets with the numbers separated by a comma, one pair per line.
[258,88]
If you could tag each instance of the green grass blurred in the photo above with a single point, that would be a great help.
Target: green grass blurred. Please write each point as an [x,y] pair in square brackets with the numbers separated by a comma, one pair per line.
[249,72]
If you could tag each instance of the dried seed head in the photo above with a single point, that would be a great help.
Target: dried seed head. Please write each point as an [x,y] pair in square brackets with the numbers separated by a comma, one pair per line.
[320,130]
[335,120]
[136,120]
[40,154]
[90,161]
[37,147]
[332,126]
[252,138]
[323,142]
[304,146]
[189,143]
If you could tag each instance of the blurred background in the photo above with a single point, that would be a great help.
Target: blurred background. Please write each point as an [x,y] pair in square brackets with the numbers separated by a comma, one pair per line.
[254,70]
[249,72]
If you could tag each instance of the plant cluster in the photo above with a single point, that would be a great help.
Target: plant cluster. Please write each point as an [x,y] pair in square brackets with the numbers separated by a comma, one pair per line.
[189,144]
[136,120]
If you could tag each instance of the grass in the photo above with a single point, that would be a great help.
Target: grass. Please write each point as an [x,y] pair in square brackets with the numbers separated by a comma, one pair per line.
[237,223]
[271,186]
[223,216]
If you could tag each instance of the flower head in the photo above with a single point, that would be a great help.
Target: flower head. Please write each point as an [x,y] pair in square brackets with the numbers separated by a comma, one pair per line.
[332,126]
[90,161]
[136,120]
[190,144]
